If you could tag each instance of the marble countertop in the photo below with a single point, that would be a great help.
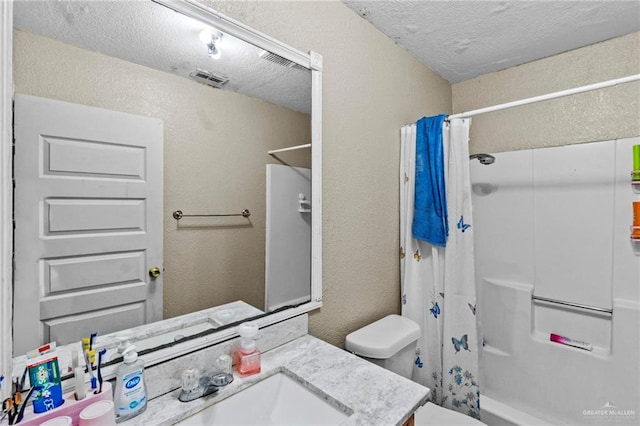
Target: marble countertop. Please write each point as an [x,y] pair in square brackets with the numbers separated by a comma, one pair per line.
[374,395]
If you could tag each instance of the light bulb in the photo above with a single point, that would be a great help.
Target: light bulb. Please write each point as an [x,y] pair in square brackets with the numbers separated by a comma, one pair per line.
[211,38]
[208,36]
[205,36]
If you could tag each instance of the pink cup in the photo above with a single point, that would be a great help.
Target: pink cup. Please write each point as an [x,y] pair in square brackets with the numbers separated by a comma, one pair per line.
[58,421]
[98,414]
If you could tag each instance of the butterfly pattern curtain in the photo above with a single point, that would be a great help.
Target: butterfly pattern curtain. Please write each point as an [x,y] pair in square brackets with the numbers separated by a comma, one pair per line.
[438,283]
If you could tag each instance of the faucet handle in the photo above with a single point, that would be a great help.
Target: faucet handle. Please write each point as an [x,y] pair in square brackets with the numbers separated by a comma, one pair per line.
[221,379]
[190,380]
[224,363]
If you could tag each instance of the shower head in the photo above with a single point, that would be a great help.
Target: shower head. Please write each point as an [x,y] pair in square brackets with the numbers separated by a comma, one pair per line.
[485,159]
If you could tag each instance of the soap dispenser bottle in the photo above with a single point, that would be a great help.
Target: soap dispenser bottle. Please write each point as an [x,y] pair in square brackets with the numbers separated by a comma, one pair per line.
[247,356]
[131,392]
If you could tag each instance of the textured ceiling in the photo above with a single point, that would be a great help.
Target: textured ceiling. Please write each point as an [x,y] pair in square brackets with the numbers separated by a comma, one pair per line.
[464,39]
[152,35]
[457,39]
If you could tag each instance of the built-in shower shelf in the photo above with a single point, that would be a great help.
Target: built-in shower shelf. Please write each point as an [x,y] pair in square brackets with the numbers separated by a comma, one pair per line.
[593,327]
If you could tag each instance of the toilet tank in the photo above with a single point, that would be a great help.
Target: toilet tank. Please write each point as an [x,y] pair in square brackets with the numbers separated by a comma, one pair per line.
[389,342]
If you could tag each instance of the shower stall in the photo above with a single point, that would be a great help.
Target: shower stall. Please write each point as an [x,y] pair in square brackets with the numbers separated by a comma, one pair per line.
[554,256]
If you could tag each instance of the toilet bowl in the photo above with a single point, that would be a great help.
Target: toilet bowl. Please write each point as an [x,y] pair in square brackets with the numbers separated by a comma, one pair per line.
[391,343]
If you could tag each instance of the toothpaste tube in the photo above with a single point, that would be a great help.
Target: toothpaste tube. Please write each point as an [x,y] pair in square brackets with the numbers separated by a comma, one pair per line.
[569,342]
[44,374]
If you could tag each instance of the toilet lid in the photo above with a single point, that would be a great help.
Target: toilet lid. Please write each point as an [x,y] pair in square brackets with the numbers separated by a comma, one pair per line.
[384,338]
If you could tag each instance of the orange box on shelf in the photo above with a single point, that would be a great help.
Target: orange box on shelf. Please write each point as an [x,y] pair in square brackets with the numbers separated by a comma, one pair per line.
[635,229]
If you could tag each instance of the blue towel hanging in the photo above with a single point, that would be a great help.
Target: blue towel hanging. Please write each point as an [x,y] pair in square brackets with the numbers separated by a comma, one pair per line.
[430,216]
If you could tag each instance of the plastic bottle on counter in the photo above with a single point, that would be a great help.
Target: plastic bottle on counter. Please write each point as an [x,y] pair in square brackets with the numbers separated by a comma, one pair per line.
[247,356]
[131,392]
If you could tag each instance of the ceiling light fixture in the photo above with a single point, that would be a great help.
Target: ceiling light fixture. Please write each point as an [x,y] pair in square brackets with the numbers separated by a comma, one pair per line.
[211,38]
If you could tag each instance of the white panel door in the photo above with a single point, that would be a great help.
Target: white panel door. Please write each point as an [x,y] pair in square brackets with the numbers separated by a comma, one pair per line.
[88,221]
[288,236]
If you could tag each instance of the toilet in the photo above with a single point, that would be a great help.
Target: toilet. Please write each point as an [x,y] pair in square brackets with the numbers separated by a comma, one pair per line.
[390,343]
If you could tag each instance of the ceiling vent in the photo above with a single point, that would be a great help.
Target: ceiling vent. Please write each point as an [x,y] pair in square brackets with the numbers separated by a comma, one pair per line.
[209,78]
[277,59]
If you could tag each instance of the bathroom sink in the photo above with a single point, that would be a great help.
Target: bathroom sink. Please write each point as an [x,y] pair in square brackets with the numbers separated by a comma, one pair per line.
[276,400]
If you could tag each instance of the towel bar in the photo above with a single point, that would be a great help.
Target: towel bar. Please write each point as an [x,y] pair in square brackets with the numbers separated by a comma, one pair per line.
[574,305]
[291,148]
[177,215]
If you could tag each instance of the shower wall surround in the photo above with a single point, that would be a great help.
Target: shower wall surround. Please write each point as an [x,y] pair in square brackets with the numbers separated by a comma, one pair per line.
[555,223]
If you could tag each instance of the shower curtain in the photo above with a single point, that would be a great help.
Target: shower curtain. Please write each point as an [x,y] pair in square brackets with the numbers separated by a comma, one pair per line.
[438,283]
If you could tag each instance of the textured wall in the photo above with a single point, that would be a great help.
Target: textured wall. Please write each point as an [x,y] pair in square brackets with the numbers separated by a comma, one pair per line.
[371,87]
[594,116]
[214,162]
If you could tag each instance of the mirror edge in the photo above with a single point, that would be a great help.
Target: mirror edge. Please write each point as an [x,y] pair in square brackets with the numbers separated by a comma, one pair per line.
[313,61]
[6,193]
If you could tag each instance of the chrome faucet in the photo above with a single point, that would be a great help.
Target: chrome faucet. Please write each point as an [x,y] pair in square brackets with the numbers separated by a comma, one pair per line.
[194,386]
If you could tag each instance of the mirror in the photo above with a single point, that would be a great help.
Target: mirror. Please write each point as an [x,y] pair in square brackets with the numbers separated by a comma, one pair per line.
[220,117]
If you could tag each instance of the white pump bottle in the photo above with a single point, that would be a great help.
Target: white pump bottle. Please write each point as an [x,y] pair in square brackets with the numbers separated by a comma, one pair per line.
[131,392]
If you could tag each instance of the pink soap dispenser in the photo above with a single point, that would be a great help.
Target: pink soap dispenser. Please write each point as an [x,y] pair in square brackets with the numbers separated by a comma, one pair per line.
[247,356]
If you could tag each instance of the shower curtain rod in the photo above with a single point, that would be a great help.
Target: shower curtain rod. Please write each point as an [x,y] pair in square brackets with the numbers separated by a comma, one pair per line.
[548,96]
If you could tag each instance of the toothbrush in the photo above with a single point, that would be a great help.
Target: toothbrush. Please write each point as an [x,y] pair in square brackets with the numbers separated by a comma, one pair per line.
[92,359]
[8,407]
[86,342]
[20,414]
[92,339]
[100,355]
